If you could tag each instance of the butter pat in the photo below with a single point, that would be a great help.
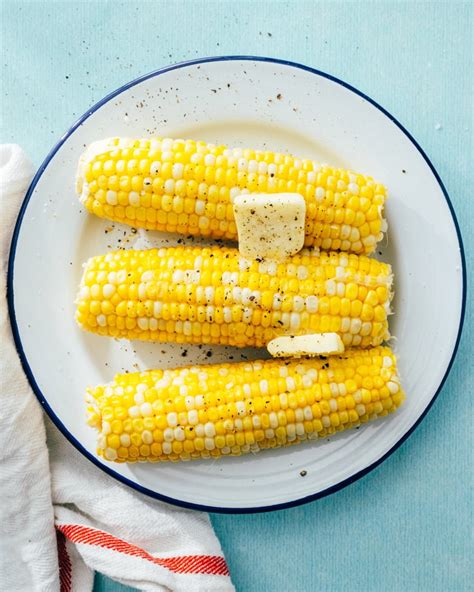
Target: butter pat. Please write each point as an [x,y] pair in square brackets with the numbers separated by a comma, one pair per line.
[270,225]
[315,344]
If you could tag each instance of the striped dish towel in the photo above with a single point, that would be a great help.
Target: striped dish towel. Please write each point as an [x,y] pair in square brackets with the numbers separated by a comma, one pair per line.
[61,518]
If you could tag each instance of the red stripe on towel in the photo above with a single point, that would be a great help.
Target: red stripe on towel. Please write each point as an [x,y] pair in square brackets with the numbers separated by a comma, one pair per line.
[186,564]
[65,567]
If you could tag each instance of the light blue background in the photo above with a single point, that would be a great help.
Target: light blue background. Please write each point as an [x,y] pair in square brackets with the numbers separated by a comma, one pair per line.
[406,526]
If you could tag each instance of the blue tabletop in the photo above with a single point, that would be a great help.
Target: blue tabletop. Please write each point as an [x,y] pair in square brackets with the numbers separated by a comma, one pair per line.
[405,526]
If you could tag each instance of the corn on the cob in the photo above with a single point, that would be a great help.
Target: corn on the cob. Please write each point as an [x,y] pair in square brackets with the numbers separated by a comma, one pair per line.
[212,295]
[187,187]
[231,409]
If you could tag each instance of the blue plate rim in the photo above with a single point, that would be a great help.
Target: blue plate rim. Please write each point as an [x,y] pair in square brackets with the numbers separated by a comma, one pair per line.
[24,361]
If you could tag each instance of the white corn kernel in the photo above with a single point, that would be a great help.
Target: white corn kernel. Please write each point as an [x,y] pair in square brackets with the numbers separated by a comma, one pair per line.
[125,440]
[168,434]
[139,398]
[312,304]
[295,321]
[193,417]
[345,324]
[146,410]
[134,411]
[111,198]
[393,387]
[133,198]
[356,325]
[331,287]
[177,170]
[172,419]
[320,193]
[209,429]
[179,434]
[110,454]
[273,419]
[147,437]
[299,428]
[142,322]
[108,290]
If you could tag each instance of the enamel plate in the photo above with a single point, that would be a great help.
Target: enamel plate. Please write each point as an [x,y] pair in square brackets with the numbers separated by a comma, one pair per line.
[260,103]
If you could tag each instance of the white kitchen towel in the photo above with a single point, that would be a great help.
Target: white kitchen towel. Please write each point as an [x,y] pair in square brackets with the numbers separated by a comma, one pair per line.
[100,524]
[28,557]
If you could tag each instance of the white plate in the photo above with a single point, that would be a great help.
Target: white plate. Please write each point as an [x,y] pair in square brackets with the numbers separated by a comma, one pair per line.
[261,103]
